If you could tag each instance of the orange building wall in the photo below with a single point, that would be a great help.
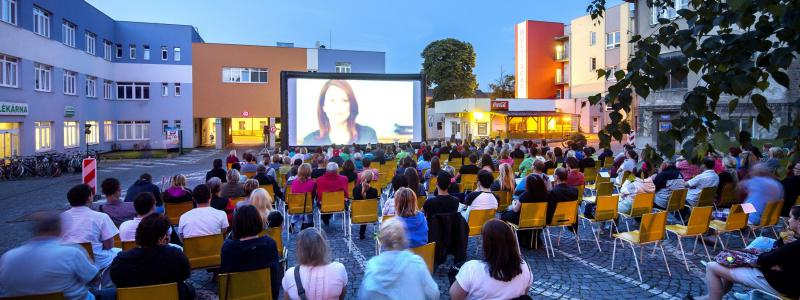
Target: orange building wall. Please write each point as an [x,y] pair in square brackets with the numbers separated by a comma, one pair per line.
[213,98]
[541,63]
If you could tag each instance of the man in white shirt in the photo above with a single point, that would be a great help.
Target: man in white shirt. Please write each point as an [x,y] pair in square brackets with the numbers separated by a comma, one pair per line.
[145,204]
[203,220]
[81,224]
[708,178]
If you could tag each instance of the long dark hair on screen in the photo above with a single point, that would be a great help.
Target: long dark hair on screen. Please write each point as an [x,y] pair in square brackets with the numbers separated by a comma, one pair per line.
[500,251]
[324,123]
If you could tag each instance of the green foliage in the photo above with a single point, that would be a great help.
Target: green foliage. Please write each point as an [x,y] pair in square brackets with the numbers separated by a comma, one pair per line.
[503,87]
[448,65]
[738,47]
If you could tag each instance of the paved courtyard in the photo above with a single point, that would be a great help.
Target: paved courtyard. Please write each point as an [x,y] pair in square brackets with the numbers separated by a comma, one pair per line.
[569,275]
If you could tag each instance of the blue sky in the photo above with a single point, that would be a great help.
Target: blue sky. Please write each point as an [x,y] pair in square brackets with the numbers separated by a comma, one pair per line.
[400,28]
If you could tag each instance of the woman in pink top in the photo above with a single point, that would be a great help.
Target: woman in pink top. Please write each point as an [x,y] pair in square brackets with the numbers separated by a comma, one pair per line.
[315,273]
[302,184]
[505,158]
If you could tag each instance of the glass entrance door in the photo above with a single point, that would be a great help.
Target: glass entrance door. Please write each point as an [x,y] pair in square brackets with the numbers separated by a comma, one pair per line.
[9,142]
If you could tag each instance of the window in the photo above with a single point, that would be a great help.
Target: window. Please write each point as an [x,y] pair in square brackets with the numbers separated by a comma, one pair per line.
[132,51]
[43,136]
[612,40]
[133,91]
[68,33]
[70,82]
[164,52]
[9,68]
[483,128]
[108,89]
[119,51]
[133,130]
[71,134]
[107,50]
[93,138]
[592,38]
[252,75]
[41,22]
[176,53]
[90,42]
[178,124]
[146,52]
[8,11]
[559,76]
[612,70]
[108,131]
[164,126]
[675,83]
[592,63]
[177,89]
[164,89]
[344,67]
[91,86]
[558,94]
[42,79]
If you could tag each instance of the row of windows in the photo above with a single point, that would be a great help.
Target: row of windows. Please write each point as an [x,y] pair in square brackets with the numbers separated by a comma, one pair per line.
[41,26]
[613,39]
[668,13]
[125,131]
[9,77]
[246,75]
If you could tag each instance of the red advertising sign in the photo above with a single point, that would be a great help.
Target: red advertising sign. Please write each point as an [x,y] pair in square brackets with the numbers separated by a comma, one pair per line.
[499,105]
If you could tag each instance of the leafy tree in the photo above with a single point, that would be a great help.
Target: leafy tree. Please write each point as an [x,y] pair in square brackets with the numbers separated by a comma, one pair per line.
[503,87]
[448,65]
[738,47]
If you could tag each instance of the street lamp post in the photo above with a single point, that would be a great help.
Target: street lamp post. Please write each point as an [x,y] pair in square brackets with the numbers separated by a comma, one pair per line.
[87,130]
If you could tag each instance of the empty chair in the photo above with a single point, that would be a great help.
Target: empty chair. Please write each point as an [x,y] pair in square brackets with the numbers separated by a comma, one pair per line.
[504,199]
[332,203]
[676,201]
[605,211]
[651,231]
[468,182]
[363,212]
[604,188]
[769,218]
[203,251]
[245,285]
[297,204]
[642,204]
[167,291]
[697,226]
[175,210]
[565,215]
[736,221]
[533,216]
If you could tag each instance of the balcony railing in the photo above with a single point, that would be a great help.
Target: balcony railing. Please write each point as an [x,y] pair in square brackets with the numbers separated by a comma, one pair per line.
[561,56]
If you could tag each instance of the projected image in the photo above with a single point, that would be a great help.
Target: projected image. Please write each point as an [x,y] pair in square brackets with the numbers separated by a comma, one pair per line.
[332,111]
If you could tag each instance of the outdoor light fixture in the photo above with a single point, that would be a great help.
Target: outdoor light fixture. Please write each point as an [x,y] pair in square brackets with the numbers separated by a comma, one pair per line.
[477,115]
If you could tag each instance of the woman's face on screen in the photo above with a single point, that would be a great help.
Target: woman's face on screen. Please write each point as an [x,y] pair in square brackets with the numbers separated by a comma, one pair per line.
[336,105]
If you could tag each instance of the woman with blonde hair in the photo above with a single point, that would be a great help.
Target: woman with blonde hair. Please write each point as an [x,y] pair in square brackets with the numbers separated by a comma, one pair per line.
[315,273]
[405,204]
[505,181]
[301,184]
[363,191]
[261,199]
[177,191]
[505,158]
[232,158]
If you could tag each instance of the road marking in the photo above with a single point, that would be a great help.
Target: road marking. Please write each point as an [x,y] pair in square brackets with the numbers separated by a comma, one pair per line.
[360,259]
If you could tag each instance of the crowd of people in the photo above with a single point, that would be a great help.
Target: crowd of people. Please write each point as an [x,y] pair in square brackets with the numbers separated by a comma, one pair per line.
[241,198]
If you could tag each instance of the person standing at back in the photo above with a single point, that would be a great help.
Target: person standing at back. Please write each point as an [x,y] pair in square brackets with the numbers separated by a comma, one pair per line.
[396,273]
[43,265]
[314,276]
[82,224]
[217,171]
[203,220]
[116,209]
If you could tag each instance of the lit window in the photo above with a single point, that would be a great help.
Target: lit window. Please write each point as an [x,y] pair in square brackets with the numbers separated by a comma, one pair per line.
[245,75]
[41,22]
[68,33]
[108,131]
[133,91]
[91,86]
[132,51]
[176,53]
[146,52]
[344,67]
[8,11]
[164,89]
[70,82]
[42,77]
[44,136]
[108,89]
[164,52]
[93,138]
[177,89]
[71,134]
[91,39]
[133,130]
[9,68]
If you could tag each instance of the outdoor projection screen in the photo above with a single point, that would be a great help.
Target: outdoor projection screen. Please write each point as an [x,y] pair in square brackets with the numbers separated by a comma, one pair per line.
[344,108]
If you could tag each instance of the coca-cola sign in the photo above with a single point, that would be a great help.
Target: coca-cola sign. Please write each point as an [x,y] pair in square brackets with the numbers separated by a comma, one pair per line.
[499,105]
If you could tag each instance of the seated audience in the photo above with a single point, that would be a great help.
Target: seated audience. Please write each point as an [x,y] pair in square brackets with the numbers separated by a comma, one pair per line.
[574,175]
[82,224]
[44,265]
[263,180]
[302,184]
[707,178]
[217,171]
[470,168]
[203,220]
[349,171]
[331,181]
[232,158]
[363,191]
[261,200]
[791,188]
[501,274]
[114,207]
[482,197]
[232,188]
[215,186]
[144,204]
[412,178]
[688,167]
[177,192]
[668,179]
[415,224]
[443,202]
[398,181]
[318,276]
[396,271]
[505,179]
[728,177]
[561,192]
[153,261]
[630,189]
[245,251]
[760,189]
[368,168]
[538,170]
[238,169]
[143,184]
[631,159]
[587,161]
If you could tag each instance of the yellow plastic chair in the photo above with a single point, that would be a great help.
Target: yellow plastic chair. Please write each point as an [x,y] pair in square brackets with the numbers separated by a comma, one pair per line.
[270,190]
[697,226]
[769,218]
[504,199]
[533,216]
[605,211]
[642,204]
[728,196]
[245,285]
[203,251]
[174,211]
[565,215]
[608,162]
[87,246]
[350,186]
[589,174]
[651,231]
[363,212]
[736,221]
[675,202]
[421,201]
[275,234]
[432,184]
[167,291]
[604,188]
[427,253]
[456,163]
[332,203]
[706,198]
[297,204]
[476,220]
[444,157]
[128,245]
[517,162]
[230,165]
[235,201]
[468,182]
[50,296]
[551,171]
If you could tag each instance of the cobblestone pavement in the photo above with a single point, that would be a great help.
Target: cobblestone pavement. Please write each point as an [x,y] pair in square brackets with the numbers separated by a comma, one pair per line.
[570,275]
